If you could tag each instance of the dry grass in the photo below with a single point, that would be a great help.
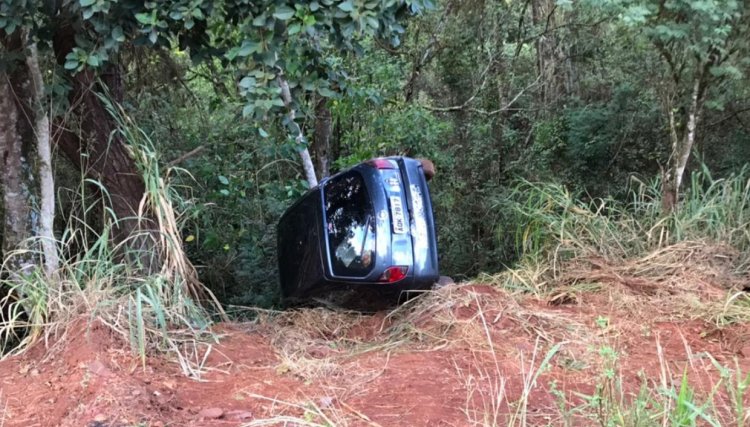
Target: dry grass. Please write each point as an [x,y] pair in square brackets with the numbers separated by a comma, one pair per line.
[686,281]
[153,306]
[310,343]
[317,343]
[432,320]
[325,411]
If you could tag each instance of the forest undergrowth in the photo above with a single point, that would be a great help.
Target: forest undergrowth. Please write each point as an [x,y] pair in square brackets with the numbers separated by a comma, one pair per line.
[629,258]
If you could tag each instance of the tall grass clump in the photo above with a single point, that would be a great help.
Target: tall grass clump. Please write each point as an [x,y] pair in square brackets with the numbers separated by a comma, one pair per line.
[554,225]
[143,288]
[716,210]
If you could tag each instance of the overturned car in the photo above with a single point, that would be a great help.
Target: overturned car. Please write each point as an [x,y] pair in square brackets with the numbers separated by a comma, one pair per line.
[368,228]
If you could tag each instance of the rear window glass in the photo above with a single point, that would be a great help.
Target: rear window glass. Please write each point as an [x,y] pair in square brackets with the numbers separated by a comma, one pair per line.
[351,225]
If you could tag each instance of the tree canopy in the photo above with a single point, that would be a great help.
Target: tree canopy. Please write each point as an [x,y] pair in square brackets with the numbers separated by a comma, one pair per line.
[267,38]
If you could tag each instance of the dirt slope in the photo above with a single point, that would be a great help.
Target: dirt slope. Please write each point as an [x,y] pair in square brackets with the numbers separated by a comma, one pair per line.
[466,355]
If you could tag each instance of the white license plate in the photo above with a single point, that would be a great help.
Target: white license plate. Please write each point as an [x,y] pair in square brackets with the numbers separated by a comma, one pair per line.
[397,215]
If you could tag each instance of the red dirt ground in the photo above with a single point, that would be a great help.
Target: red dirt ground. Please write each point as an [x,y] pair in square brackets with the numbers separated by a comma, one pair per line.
[424,367]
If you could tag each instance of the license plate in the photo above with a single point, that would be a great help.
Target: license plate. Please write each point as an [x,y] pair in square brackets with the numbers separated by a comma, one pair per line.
[397,215]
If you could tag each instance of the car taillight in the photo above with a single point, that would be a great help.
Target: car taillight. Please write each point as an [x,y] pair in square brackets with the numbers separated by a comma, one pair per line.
[381,164]
[394,274]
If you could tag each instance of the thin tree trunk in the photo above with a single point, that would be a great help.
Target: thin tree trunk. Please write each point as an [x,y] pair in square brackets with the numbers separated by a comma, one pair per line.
[689,139]
[668,189]
[543,16]
[682,145]
[46,178]
[322,138]
[304,153]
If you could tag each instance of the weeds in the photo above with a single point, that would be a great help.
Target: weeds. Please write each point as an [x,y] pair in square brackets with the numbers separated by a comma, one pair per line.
[735,309]
[144,288]
[556,226]
[658,401]
[328,412]
[736,384]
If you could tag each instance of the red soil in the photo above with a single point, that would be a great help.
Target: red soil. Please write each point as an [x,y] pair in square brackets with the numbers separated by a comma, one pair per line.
[440,373]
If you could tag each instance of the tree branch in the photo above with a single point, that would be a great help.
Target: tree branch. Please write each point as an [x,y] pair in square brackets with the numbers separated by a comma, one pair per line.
[464,106]
[560,27]
[729,117]
[307,163]
[430,51]
[189,154]
[483,76]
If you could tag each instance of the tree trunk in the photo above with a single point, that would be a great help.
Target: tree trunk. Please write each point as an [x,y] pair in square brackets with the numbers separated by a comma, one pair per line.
[668,193]
[322,139]
[550,56]
[46,178]
[16,156]
[98,150]
[682,145]
[304,153]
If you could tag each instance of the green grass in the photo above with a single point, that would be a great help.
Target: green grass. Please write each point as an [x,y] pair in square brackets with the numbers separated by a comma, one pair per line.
[660,401]
[554,226]
[711,209]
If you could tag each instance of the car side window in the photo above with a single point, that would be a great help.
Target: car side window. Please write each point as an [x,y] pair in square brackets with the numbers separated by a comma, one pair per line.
[350,221]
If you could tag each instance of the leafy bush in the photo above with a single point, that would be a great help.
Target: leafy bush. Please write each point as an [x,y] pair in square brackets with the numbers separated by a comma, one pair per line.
[233,190]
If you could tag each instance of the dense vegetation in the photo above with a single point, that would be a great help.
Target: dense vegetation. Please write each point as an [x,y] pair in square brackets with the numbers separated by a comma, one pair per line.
[204,107]
[492,92]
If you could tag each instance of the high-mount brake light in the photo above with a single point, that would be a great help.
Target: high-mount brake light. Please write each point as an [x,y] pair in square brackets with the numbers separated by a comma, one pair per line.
[381,164]
[394,274]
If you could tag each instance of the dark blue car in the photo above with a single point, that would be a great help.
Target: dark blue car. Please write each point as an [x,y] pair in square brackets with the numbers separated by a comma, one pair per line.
[370,228]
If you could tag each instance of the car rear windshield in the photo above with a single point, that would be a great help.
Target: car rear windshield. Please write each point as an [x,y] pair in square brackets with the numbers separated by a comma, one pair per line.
[351,225]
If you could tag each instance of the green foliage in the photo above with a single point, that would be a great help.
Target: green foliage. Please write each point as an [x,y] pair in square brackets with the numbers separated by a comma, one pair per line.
[694,33]
[390,130]
[270,38]
[608,129]
[279,46]
[701,45]
[599,146]
[232,196]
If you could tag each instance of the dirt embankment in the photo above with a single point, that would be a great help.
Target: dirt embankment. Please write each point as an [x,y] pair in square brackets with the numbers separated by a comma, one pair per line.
[465,355]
